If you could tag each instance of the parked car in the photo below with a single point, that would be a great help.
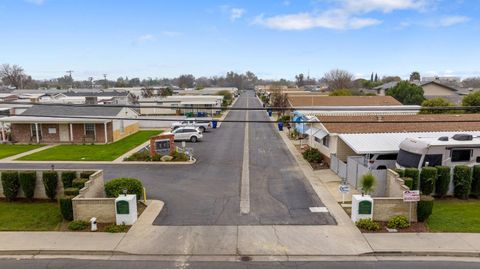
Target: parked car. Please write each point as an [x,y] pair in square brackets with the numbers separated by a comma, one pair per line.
[203,125]
[382,161]
[188,133]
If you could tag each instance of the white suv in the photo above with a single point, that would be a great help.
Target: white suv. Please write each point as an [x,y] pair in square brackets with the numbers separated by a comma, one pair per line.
[191,134]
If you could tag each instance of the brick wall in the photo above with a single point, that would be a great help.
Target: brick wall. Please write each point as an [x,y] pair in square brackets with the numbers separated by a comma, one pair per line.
[49,138]
[20,132]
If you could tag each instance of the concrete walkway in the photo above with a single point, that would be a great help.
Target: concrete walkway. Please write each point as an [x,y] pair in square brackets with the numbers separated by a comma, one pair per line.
[227,243]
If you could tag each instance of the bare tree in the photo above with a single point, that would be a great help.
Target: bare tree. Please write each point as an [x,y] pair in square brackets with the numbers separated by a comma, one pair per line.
[338,79]
[278,99]
[12,75]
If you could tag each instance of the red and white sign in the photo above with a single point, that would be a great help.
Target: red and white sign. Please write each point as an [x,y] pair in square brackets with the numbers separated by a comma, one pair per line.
[411,196]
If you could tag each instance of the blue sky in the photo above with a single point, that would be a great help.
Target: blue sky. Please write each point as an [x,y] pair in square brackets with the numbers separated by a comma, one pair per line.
[273,38]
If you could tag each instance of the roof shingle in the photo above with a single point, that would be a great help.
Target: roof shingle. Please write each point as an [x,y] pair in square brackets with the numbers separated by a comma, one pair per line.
[314,100]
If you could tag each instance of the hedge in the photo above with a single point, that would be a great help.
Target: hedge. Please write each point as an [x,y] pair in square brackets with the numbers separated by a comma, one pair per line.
[476,182]
[428,176]
[10,185]
[86,174]
[462,180]
[50,181]
[408,182]
[400,172]
[28,180]
[71,191]
[414,174]
[66,207]
[67,178]
[115,187]
[443,181]
[79,183]
[424,208]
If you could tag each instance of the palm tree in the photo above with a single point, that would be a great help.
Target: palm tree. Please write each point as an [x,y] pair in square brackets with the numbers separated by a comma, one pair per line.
[368,182]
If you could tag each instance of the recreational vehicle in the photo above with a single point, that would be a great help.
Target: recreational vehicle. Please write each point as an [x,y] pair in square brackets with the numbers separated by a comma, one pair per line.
[461,149]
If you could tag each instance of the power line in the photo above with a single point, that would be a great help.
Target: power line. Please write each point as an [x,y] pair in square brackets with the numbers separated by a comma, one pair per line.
[320,108]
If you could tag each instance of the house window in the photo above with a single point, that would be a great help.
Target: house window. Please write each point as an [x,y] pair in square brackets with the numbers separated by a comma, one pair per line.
[326,141]
[318,140]
[34,130]
[90,129]
[461,155]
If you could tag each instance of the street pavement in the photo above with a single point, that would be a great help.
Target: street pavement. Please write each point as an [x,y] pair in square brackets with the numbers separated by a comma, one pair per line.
[139,264]
[208,192]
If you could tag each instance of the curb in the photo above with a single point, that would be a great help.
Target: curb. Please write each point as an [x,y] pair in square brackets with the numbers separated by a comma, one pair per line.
[99,162]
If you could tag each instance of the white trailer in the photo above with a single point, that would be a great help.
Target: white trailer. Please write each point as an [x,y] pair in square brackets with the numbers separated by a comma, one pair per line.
[460,149]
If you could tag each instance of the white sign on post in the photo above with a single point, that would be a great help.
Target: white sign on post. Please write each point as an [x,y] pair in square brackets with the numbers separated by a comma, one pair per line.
[411,196]
[344,188]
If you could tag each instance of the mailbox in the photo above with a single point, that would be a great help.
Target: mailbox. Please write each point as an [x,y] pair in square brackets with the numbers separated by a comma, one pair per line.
[126,209]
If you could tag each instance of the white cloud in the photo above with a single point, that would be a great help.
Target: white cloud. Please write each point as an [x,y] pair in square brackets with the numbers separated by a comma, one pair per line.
[343,14]
[452,20]
[144,39]
[236,13]
[171,33]
[36,2]
[383,5]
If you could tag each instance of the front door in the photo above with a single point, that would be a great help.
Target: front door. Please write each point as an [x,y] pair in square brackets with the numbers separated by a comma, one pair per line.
[64,133]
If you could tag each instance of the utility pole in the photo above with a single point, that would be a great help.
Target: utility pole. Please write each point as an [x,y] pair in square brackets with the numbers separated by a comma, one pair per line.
[70,74]
[91,82]
[106,82]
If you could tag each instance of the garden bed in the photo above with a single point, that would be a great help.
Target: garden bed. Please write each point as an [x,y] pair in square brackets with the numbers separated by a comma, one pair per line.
[415,227]
[144,156]
[314,165]
[104,227]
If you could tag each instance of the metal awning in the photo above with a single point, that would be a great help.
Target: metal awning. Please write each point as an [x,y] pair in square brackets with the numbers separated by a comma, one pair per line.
[315,132]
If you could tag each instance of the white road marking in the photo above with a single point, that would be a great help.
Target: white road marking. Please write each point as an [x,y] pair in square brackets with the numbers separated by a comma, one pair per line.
[318,209]
[245,188]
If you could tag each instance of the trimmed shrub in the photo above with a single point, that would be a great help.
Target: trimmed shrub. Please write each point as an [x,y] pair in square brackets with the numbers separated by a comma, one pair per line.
[428,176]
[443,181]
[71,191]
[67,178]
[50,182]
[115,187]
[28,180]
[475,192]
[66,207]
[78,225]
[462,179]
[86,174]
[368,225]
[400,172]
[79,183]
[112,228]
[414,174]
[424,208]
[312,155]
[180,157]
[408,182]
[10,185]
[398,222]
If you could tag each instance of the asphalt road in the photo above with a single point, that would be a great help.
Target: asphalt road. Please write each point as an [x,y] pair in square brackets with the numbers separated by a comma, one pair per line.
[208,193]
[84,264]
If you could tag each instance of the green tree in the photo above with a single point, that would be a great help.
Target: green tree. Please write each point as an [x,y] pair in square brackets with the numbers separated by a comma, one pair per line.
[227,97]
[341,92]
[472,100]
[436,102]
[414,76]
[407,93]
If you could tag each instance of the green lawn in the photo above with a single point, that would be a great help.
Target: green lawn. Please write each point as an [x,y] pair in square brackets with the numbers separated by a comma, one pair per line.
[455,216]
[108,152]
[29,216]
[10,150]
